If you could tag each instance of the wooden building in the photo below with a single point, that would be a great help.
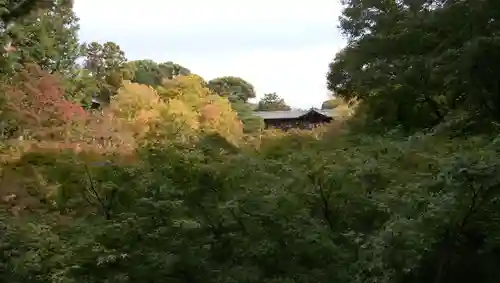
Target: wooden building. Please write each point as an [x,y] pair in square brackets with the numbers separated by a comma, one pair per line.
[293,119]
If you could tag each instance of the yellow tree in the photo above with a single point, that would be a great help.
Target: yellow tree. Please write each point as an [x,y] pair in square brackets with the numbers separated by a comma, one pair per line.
[189,89]
[136,104]
[133,99]
[182,109]
[174,121]
[217,116]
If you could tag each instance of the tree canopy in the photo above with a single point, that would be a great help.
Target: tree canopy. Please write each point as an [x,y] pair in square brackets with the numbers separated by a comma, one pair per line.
[172,179]
[151,73]
[234,88]
[238,92]
[272,102]
[413,65]
[13,10]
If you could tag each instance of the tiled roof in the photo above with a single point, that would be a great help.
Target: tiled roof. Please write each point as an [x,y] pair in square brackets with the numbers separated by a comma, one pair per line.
[290,114]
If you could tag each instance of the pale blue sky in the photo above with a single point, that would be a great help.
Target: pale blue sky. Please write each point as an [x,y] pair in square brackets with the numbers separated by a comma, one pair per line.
[275,45]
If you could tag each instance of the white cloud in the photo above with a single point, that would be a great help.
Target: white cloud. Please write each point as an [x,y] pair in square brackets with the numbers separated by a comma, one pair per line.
[278,46]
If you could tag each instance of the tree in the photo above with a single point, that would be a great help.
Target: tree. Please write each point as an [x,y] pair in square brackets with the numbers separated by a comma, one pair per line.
[106,64]
[170,70]
[47,37]
[102,59]
[37,107]
[12,10]
[238,91]
[145,72]
[234,88]
[404,86]
[272,102]
[151,73]
[218,117]
[251,123]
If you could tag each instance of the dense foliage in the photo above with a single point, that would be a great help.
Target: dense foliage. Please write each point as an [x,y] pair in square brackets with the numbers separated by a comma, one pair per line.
[272,102]
[415,63]
[165,182]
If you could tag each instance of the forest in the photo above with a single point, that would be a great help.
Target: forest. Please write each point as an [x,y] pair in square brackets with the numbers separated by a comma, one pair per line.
[172,179]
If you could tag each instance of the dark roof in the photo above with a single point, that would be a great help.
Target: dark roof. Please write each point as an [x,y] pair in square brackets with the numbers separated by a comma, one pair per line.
[290,114]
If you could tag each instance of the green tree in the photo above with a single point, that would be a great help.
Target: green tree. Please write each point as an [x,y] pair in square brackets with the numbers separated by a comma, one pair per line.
[170,70]
[106,64]
[12,10]
[151,73]
[251,123]
[434,72]
[102,59]
[272,102]
[234,88]
[145,72]
[47,37]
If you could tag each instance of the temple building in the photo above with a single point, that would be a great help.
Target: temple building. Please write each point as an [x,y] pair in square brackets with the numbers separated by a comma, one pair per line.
[295,119]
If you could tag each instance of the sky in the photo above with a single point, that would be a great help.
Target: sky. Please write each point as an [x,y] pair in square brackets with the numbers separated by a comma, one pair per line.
[278,46]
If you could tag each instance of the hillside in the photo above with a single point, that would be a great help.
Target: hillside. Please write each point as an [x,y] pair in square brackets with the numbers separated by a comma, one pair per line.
[172,179]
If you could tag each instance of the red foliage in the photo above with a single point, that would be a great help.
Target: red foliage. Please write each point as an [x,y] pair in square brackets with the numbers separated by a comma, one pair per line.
[48,123]
[37,100]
